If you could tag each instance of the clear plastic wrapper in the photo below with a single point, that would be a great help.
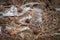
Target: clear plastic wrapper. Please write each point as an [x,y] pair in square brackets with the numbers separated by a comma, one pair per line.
[11,12]
[36,16]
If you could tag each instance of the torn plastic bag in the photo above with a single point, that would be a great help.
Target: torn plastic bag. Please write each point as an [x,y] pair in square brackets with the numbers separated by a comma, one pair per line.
[23,19]
[29,4]
[23,28]
[57,9]
[1,14]
[11,12]
[0,30]
[26,9]
[26,32]
[36,16]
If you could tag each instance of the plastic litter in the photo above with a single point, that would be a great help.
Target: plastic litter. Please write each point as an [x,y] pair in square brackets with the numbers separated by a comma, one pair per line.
[29,4]
[23,19]
[11,12]
[26,9]
[1,14]
[23,28]
[57,9]
[0,30]
[37,16]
